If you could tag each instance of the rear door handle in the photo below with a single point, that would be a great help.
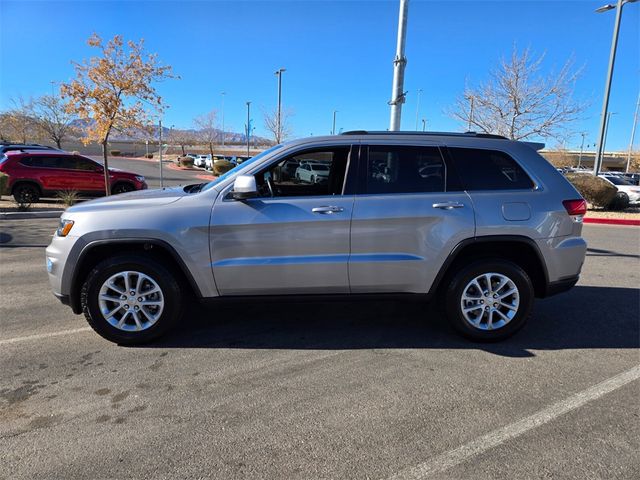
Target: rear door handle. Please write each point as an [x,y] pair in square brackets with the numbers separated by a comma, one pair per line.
[327,210]
[448,205]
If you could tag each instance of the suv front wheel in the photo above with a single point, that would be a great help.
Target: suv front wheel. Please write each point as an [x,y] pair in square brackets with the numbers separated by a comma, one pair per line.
[131,299]
[489,300]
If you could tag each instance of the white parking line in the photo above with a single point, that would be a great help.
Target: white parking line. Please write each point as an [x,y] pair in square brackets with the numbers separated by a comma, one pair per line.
[44,335]
[480,445]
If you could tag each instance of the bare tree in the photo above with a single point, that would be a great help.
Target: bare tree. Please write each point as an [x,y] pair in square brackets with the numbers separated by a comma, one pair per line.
[51,118]
[183,138]
[519,102]
[271,124]
[17,124]
[208,132]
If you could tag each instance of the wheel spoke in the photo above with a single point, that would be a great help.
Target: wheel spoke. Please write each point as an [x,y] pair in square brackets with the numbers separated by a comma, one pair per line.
[471,309]
[509,306]
[137,320]
[123,319]
[116,288]
[139,283]
[109,298]
[490,320]
[504,317]
[511,291]
[151,302]
[127,283]
[110,314]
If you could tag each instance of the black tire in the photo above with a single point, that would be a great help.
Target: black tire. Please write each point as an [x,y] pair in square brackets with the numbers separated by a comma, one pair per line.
[170,291]
[620,201]
[122,187]
[26,193]
[463,277]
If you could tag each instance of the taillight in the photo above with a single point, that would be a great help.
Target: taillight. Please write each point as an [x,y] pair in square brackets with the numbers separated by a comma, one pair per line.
[575,207]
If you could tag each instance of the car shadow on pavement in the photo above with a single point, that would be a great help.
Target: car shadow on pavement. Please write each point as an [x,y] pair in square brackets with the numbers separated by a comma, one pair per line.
[585,317]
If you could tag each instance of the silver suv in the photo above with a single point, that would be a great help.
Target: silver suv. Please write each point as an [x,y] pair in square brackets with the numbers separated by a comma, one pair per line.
[477,222]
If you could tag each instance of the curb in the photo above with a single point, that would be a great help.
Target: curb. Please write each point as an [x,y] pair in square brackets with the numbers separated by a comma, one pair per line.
[612,221]
[28,215]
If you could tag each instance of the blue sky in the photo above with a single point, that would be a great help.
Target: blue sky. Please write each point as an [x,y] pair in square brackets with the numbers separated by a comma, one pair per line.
[338,55]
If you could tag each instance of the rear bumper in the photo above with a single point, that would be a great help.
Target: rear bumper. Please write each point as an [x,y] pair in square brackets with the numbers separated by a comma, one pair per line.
[553,288]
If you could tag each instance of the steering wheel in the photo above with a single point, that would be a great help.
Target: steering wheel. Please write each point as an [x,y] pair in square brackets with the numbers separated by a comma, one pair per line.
[270,186]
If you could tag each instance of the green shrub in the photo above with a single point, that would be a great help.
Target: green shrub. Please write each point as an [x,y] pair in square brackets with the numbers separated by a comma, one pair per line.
[222,166]
[68,197]
[185,161]
[115,153]
[596,191]
[4,180]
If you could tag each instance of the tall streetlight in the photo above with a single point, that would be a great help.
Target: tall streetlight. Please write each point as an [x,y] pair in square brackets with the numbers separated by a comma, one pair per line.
[584,134]
[418,108]
[248,125]
[399,63]
[424,124]
[278,73]
[223,94]
[633,133]
[333,128]
[597,164]
[606,132]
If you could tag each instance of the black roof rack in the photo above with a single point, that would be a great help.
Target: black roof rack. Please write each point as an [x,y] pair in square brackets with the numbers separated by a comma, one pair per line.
[433,134]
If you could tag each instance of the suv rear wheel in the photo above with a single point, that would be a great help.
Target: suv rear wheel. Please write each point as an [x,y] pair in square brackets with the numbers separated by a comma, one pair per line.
[26,193]
[131,299]
[489,300]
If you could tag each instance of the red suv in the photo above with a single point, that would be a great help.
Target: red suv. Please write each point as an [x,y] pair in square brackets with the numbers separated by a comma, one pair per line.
[38,173]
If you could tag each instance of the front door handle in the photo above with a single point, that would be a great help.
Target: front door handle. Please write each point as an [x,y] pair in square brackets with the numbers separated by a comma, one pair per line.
[327,210]
[448,205]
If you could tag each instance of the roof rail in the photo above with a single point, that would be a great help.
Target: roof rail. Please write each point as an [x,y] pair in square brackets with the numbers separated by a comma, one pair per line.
[434,134]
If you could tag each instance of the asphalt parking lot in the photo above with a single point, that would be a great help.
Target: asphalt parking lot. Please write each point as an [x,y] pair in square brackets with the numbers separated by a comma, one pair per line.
[323,390]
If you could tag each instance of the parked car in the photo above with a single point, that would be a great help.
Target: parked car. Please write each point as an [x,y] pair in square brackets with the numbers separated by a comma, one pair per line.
[40,173]
[312,172]
[201,160]
[9,147]
[624,187]
[501,227]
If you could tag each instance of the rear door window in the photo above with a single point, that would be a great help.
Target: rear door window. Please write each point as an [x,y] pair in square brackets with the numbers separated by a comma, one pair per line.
[403,169]
[489,170]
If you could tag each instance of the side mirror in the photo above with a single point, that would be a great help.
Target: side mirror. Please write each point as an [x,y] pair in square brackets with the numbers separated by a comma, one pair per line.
[244,187]
[99,169]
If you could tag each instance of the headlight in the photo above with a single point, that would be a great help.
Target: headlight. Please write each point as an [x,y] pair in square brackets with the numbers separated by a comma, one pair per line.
[140,178]
[64,228]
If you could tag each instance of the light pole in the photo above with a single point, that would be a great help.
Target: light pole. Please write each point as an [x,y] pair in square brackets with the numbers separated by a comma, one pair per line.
[399,63]
[424,124]
[633,133]
[333,128]
[278,73]
[223,94]
[418,108]
[606,132]
[248,125]
[146,142]
[160,144]
[584,134]
[607,89]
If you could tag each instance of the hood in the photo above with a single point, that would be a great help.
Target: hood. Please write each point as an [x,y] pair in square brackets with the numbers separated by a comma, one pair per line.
[137,199]
[126,172]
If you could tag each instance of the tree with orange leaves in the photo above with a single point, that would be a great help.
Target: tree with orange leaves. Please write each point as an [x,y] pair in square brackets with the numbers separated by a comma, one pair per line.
[114,91]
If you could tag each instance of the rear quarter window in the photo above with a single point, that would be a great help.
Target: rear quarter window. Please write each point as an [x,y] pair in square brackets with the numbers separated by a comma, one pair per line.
[489,170]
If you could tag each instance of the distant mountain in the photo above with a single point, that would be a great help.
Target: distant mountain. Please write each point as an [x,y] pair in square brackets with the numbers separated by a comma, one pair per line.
[230,137]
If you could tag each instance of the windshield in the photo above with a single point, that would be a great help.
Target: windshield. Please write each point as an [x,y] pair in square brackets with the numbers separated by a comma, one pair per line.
[242,166]
[617,180]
